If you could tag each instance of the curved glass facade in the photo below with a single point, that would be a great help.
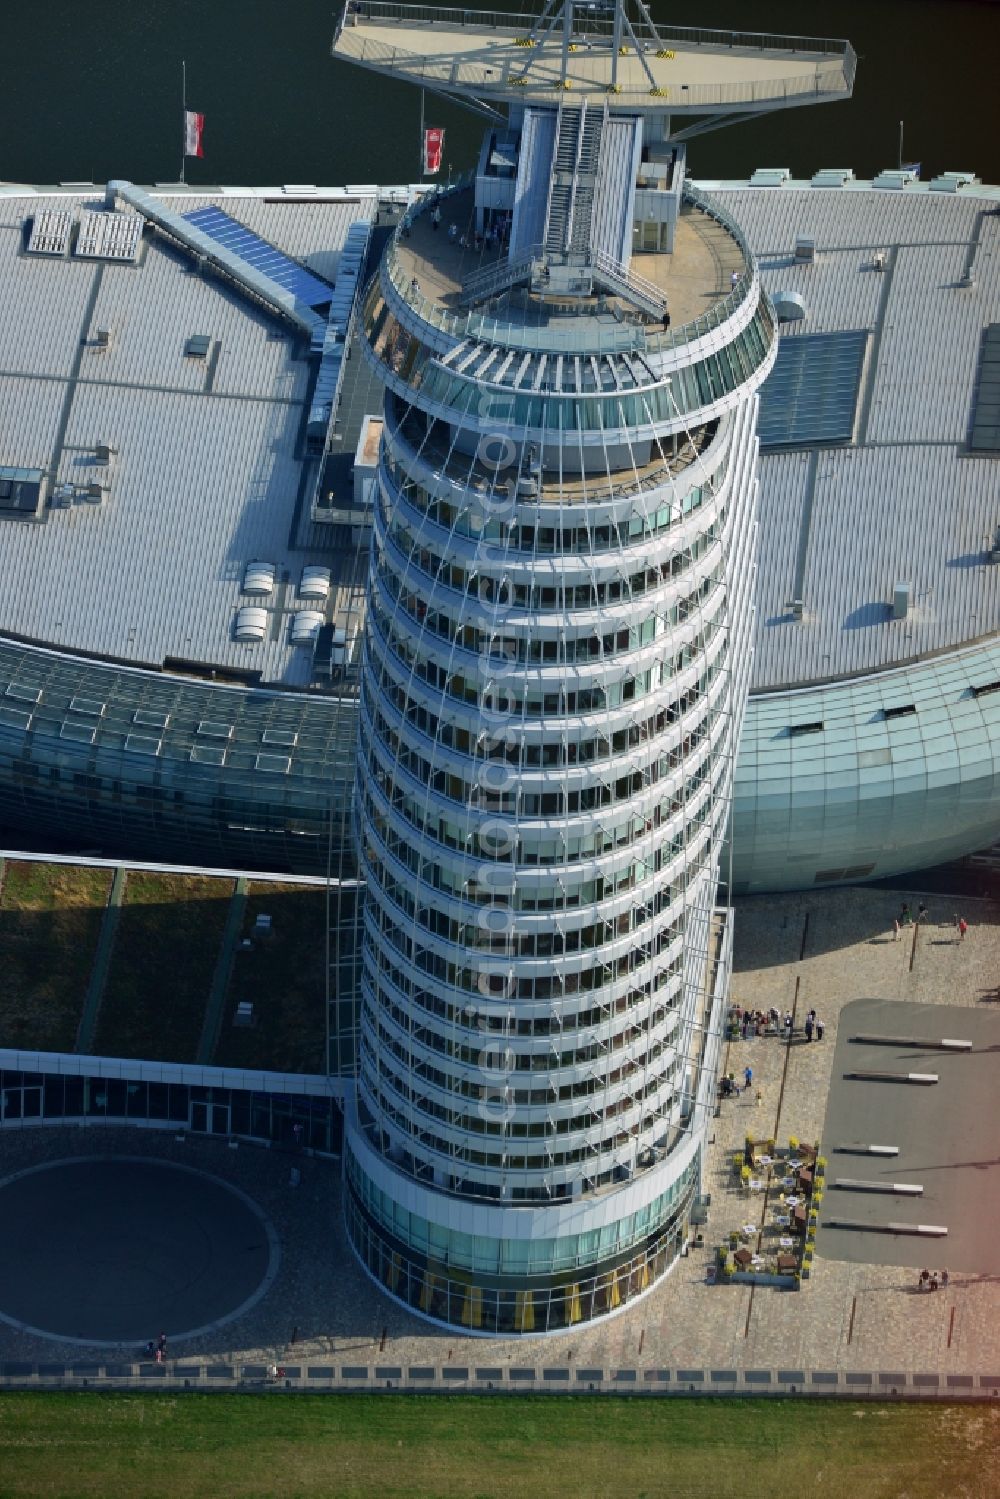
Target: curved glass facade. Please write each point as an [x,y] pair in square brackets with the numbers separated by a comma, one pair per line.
[554,672]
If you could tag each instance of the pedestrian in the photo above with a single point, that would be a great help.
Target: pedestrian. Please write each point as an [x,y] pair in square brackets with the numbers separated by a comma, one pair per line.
[963,927]
[820,1028]
[922,914]
[925,1276]
[932,1284]
[809,1027]
[435,218]
[944,1278]
[905,919]
[747,1078]
[734,278]
[452,233]
[759,1098]
[895,930]
[788,1025]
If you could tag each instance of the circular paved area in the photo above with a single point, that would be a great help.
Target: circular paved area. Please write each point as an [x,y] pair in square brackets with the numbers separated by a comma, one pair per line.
[112,1250]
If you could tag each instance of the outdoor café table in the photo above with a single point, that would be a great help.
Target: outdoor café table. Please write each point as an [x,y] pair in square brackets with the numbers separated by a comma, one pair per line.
[783,1220]
[792,1200]
[749,1229]
[786,1242]
[763,1160]
[755,1184]
[788,1181]
[795,1165]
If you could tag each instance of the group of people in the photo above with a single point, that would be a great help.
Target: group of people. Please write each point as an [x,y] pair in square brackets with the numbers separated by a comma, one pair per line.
[770,1023]
[495,233]
[157,1350]
[931,1280]
[906,918]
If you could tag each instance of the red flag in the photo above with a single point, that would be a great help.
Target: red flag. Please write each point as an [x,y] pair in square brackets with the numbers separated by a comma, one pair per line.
[433,150]
[194,126]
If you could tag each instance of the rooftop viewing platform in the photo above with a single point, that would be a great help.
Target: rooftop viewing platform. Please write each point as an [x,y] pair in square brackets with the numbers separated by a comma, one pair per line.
[501,56]
[702,282]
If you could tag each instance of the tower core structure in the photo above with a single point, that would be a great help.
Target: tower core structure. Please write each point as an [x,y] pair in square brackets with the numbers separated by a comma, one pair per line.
[556,659]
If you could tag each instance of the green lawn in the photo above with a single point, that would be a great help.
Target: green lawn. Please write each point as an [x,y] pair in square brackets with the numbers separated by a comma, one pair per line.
[164,956]
[50,917]
[411,1447]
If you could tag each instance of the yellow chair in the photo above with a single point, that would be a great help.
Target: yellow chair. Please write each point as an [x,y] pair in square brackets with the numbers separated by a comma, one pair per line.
[524,1312]
[573,1312]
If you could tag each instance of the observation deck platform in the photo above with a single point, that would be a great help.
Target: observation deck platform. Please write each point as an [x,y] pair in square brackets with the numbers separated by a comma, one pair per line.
[693,278]
[684,70]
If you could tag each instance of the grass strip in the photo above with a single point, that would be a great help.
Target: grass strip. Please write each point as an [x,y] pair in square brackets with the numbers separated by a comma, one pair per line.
[73,1446]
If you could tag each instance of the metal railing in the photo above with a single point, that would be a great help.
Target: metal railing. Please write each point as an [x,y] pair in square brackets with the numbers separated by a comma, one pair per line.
[501,74]
[590,336]
[390,13]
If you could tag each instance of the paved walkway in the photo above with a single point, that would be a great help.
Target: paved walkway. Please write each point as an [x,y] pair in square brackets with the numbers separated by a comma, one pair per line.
[819,951]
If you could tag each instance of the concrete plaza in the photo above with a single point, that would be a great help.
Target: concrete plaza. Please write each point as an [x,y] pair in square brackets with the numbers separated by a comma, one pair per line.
[819,951]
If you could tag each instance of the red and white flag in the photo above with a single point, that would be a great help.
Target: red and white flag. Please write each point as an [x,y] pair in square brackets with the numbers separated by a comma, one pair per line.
[194,127]
[433,150]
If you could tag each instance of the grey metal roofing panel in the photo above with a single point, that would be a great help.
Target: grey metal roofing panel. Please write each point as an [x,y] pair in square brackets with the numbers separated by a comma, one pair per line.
[534,169]
[908,503]
[206,473]
[985,434]
[614,190]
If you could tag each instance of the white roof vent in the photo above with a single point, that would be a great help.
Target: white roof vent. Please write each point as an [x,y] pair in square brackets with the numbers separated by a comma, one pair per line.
[306,625]
[789,306]
[258,580]
[951,182]
[315,583]
[833,177]
[770,177]
[896,178]
[251,624]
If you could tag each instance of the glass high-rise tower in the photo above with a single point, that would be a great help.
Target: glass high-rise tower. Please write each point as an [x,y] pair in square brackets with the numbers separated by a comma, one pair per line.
[556,661]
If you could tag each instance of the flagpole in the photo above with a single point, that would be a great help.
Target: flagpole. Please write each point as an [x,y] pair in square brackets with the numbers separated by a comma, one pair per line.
[184,98]
[421,135]
[900,145]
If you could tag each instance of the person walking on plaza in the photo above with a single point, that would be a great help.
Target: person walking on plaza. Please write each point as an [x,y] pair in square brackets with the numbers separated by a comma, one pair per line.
[963,927]
[747,1078]
[895,929]
[905,919]
[809,1026]
[944,1278]
[820,1028]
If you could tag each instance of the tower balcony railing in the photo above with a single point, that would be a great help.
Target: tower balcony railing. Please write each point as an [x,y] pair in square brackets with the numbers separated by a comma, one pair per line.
[588,23]
[567,334]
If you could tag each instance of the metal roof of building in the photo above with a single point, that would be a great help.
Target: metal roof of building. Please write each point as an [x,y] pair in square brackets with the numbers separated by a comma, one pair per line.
[906,501]
[206,470]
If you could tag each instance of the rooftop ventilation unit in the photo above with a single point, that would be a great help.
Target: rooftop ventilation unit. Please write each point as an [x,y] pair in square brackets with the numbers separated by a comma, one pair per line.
[251,624]
[102,338]
[833,177]
[953,182]
[789,306]
[901,600]
[879,260]
[315,583]
[805,250]
[306,625]
[50,233]
[103,453]
[197,346]
[770,177]
[258,580]
[896,178]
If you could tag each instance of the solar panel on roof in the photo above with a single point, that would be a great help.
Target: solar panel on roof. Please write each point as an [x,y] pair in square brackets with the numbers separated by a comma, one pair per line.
[811,395]
[986,411]
[274,264]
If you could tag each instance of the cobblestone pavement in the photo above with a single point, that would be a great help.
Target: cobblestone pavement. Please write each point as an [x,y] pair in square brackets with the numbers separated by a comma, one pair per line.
[814,950]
